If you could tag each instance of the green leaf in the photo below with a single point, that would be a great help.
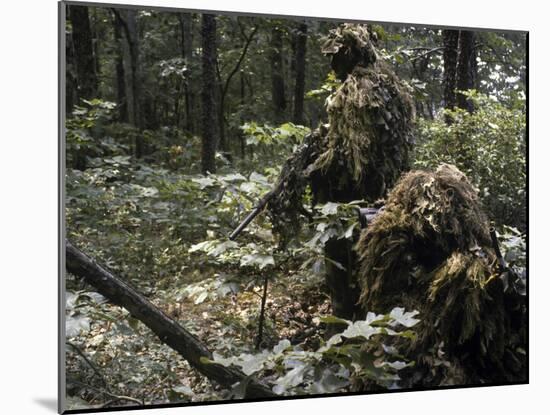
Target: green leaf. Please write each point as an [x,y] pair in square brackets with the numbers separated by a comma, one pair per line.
[204,182]
[329,208]
[201,246]
[281,346]
[360,329]
[257,259]
[333,320]
[183,390]
[348,234]
[75,324]
[329,383]
[406,319]
[201,297]
[291,379]
[397,365]
[222,247]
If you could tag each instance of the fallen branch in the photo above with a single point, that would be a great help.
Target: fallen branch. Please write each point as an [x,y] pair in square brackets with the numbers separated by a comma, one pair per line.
[168,330]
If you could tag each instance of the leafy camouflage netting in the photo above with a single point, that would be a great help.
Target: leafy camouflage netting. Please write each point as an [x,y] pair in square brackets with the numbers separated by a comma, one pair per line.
[369,117]
[430,250]
[286,206]
[349,45]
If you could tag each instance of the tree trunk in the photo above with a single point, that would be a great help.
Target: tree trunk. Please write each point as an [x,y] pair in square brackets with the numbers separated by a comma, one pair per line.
[71,95]
[277,79]
[450,43]
[186,23]
[300,68]
[209,118]
[466,67]
[133,76]
[120,76]
[242,102]
[86,76]
[168,330]
[134,80]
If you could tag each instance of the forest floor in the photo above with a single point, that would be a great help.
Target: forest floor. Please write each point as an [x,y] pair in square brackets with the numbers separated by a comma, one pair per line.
[130,361]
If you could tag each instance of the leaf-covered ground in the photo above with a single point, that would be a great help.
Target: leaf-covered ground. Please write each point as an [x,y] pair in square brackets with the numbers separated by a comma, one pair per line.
[130,361]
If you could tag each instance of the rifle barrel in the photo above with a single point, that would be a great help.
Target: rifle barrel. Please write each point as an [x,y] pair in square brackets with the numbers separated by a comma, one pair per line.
[249,218]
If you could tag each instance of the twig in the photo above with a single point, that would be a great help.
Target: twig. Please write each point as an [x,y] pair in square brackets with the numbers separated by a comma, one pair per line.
[90,363]
[112,395]
[262,315]
[122,398]
[248,39]
[427,53]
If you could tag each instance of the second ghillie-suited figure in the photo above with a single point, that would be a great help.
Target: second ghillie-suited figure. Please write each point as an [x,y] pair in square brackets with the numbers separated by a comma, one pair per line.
[358,155]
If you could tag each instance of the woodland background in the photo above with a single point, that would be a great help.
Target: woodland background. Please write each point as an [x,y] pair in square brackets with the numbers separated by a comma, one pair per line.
[38,395]
[142,134]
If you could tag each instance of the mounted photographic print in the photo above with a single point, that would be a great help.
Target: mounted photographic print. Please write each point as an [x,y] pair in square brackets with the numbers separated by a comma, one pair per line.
[259,207]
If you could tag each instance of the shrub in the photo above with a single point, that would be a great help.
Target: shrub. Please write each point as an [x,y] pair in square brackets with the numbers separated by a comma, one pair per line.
[489,145]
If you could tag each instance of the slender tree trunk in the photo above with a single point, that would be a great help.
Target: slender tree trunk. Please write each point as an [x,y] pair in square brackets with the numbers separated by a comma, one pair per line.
[466,67]
[243,102]
[133,76]
[300,68]
[150,119]
[71,85]
[186,26]
[120,76]
[209,118]
[450,43]
[277,78]
[133,50]
[86,76]
[224,88]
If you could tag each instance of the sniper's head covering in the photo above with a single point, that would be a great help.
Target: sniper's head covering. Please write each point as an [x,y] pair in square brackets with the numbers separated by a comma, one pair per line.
[349,45]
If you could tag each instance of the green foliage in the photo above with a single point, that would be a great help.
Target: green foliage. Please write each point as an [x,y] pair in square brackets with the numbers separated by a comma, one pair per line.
[327,88]
[359,354]
[286,134]
[272,145]
[489,146]
[88,121]
[158,223]
[513,247]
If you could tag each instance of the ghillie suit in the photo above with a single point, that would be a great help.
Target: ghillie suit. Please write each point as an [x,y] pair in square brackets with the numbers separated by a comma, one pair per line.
[369,131]
[286,207]
[430,250]
[358,155]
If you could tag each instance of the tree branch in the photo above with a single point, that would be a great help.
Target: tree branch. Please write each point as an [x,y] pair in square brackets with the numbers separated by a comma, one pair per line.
[241,58]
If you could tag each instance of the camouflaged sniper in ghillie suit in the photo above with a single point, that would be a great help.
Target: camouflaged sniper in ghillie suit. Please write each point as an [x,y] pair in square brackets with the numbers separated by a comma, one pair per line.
[359,154]
[369,130]
[430,250]
[364,147]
